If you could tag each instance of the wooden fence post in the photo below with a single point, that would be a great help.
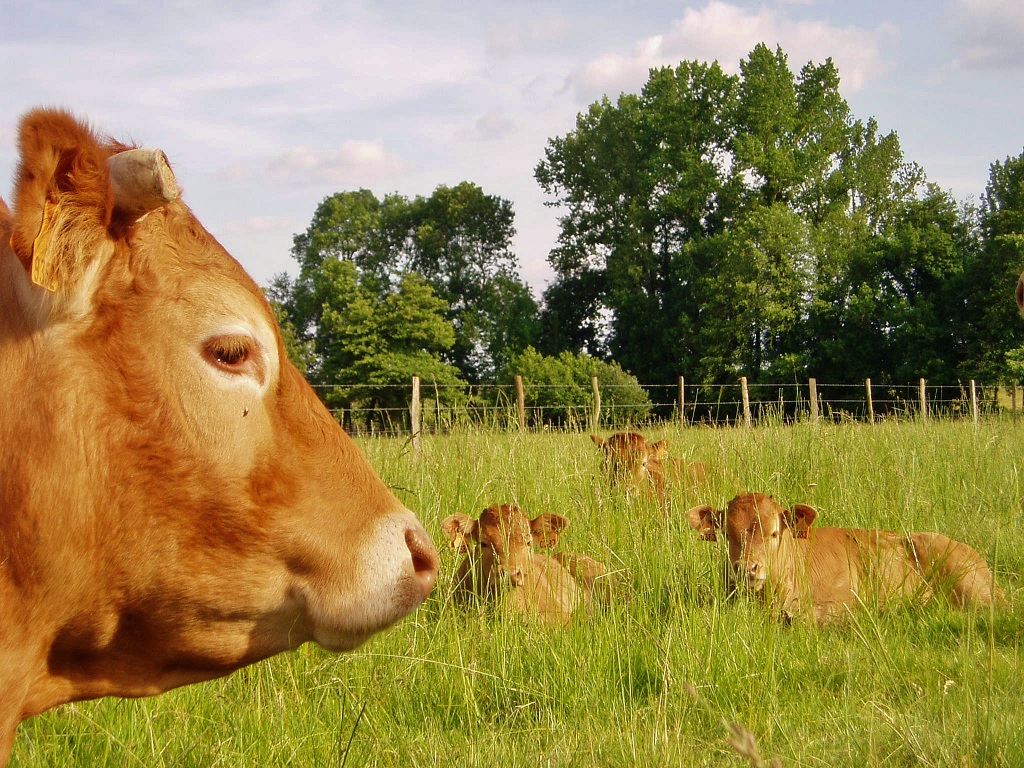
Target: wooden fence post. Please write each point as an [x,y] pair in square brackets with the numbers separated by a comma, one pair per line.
[924,402]
[520,402]
[871,405]
[746,402]
[813,384]
[682,402]
[414,414]
[974,403]
[597,403]
[1013,400]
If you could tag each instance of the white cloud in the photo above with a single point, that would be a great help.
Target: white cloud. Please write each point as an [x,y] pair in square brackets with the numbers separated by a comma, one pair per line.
[495,124]
[727,33]
[356,161]
[522,37]
[988,34]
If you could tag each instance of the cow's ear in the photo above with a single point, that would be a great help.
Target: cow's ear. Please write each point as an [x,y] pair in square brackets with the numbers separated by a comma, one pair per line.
[546,529]
[70,195]
[706,520]
[800,519]
[598,440]
[460,529]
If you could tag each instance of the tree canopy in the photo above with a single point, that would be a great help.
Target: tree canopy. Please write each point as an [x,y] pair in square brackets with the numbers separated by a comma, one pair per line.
[712,225]
[458,240]
[719,224]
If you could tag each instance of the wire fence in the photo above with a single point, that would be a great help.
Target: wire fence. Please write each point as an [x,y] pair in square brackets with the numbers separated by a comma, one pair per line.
[437,409]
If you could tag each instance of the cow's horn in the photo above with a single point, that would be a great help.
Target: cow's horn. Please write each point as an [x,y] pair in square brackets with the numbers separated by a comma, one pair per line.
[142,181]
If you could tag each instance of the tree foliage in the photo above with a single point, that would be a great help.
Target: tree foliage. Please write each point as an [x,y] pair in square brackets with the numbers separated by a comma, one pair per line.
[558,388]
[718,225]
[370,347]
[458,239]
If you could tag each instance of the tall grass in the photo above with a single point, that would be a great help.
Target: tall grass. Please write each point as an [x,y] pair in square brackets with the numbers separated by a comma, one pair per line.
[675,672]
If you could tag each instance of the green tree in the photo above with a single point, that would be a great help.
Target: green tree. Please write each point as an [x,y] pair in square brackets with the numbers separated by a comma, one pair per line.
[371,347]
[759,293]
[461,242]
[458,239]
[992,275]
[718,225]
[640,180]
[558,389]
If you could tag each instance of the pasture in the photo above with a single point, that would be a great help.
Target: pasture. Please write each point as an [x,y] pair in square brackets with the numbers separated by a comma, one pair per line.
[674,673]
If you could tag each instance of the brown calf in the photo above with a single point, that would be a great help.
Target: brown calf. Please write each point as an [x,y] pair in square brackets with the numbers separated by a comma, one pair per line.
[175,501]
[500,556]
[630,461]
[820,572]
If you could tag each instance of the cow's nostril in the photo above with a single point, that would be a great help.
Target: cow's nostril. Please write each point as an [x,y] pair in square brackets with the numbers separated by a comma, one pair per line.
[425,561]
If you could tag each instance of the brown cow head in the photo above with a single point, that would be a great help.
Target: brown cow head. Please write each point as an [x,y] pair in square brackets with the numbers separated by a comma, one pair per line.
[504,537]
[757,529]
[175,501]
[632,462]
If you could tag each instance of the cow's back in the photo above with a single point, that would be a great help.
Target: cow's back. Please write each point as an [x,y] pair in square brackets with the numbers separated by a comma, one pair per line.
[854,566]
[956,569]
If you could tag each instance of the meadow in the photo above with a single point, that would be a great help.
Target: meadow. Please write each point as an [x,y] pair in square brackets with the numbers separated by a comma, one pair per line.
[675,672]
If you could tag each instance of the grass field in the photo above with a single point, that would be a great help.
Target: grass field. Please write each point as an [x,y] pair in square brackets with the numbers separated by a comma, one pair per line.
[670,676]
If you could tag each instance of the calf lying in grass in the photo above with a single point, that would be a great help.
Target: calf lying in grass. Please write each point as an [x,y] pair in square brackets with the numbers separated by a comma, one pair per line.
[820,572]
[636,464]
[500,558]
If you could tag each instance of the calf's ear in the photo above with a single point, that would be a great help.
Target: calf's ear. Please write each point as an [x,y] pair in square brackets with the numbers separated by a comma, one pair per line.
[460,529]
[800,519]
[546,529]
[705,520]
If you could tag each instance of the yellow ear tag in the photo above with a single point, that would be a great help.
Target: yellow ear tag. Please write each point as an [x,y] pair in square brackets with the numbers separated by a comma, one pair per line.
[458,541]
[44,265]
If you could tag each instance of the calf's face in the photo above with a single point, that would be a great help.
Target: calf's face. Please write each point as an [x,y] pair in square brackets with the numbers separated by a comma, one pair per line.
[504,538]
[758,531]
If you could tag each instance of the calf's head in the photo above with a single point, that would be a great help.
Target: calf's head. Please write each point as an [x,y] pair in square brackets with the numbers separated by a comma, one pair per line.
[758,531]
[175,501]
[503,538]
[630,460]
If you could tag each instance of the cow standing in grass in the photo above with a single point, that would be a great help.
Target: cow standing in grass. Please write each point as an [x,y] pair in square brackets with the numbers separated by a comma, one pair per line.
[175,502]
[820,573]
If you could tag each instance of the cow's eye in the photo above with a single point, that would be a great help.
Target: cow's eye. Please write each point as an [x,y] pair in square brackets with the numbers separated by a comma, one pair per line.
[231,353]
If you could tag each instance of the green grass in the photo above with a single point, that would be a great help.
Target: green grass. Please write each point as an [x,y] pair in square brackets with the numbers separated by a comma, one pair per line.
[658,678]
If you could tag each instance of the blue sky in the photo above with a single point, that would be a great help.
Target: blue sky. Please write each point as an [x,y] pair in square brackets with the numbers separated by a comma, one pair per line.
[265,108]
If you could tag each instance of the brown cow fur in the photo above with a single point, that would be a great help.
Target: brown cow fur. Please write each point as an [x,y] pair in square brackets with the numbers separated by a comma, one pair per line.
[175,501]
[634,463]
[820,573]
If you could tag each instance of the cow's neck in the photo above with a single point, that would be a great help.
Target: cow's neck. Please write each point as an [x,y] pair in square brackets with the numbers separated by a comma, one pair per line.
[788,579]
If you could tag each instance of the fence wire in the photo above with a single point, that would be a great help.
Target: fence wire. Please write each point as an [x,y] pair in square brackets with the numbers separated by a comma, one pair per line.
[444,408]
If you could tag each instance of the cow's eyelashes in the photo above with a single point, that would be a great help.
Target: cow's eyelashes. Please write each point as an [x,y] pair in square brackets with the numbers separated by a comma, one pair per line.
[228,351]
[233,353]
